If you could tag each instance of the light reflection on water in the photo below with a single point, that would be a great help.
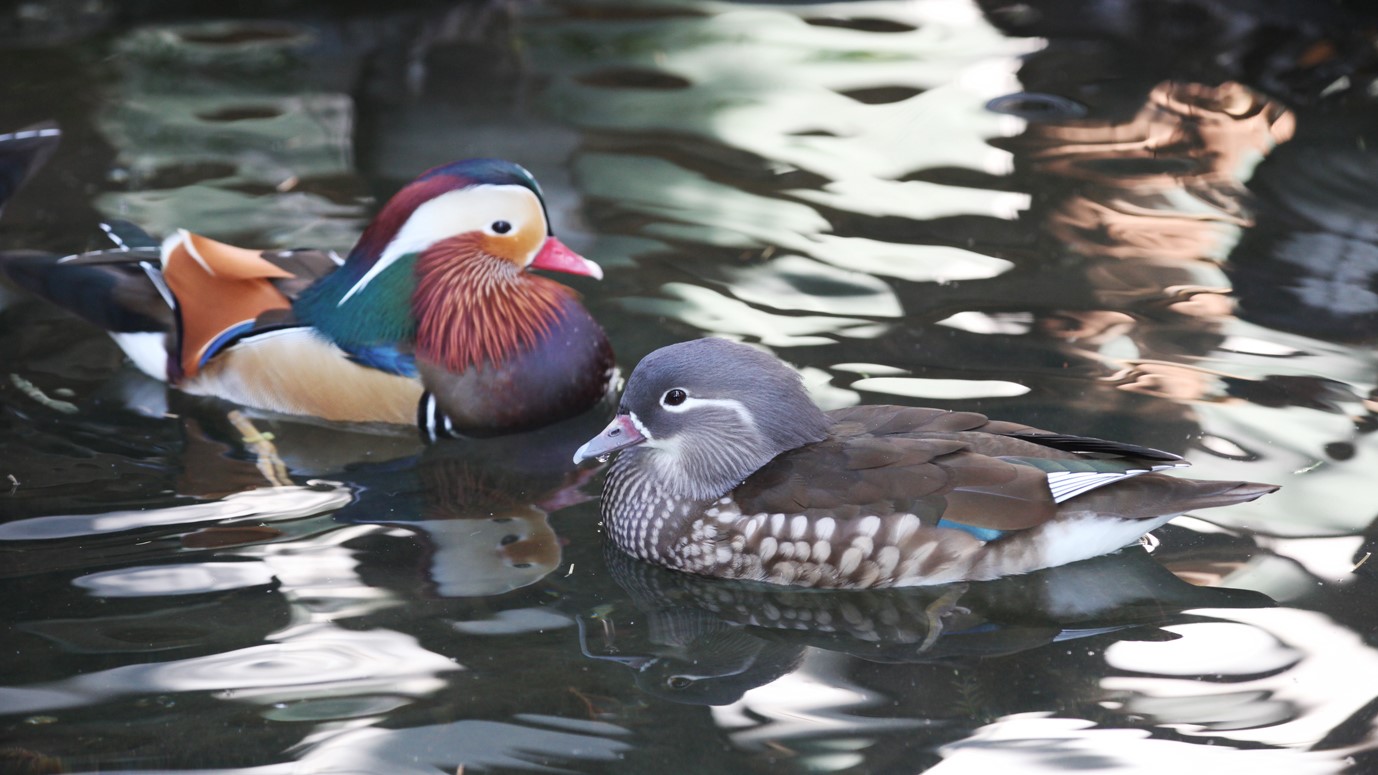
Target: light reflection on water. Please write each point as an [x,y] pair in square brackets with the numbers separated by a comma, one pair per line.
[905,202]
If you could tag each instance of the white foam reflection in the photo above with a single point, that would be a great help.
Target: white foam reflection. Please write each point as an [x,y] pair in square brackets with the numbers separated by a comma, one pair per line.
[815,700]
[530,742]
[1321,497]
[781,285]
[765,81]
[915,199]
[515,621]
[914,263]
[944,389]
[322,661]
[709,310]
[1300,660]
[1208,648]
[1039,743]
[276,503]
[690,206]
[180,579]
[860,110]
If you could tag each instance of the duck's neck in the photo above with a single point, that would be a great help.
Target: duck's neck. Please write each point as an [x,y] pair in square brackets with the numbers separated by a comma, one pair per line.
[474,310]
[640,515]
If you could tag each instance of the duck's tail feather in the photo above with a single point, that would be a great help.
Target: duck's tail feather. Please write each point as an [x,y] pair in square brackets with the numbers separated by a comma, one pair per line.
[1152,496]
[117,296]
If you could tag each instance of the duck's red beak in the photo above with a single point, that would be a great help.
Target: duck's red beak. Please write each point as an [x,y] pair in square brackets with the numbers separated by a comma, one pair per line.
[620,434]
[555,257]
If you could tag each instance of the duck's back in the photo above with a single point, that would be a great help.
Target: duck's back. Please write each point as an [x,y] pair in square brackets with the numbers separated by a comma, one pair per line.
[901,495]
[956,466]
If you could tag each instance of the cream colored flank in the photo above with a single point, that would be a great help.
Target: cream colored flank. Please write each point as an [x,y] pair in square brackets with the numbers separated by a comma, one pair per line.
[295,371]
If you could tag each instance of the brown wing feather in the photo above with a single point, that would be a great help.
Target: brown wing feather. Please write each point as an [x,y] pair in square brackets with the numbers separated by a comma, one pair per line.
[932,478]
[304,266]
[933,463]
[987,436]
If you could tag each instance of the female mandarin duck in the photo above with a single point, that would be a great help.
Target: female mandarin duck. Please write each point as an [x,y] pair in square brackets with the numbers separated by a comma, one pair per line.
[432,317]
[728,469]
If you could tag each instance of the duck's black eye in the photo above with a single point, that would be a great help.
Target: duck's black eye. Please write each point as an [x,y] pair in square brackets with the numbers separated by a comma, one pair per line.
[674,397]
[501,227]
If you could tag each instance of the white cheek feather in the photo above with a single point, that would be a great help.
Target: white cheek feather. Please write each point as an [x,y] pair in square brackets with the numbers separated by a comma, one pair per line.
[453,213]
[636,423]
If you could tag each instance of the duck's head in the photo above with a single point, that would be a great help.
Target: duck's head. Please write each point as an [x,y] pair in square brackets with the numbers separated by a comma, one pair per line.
[469,228]
[705,414]
[479,209]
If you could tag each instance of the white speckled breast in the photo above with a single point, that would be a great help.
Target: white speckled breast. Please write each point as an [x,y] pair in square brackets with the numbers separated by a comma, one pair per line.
[716,539]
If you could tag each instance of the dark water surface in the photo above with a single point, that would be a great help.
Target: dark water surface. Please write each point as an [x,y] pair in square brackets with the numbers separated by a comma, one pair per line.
[1148,221]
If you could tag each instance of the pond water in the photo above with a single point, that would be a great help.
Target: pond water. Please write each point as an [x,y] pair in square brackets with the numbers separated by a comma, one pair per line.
[1145,221]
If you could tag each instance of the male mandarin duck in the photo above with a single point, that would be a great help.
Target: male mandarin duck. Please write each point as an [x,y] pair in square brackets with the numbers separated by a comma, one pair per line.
[433,316]
[728,469]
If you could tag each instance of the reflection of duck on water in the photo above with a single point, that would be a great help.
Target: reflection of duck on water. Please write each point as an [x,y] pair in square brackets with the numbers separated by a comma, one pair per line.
[479,506]
[710,641]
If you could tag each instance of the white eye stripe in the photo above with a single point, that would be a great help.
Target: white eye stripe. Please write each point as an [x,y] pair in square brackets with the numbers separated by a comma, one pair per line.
[451,213]
[727,403]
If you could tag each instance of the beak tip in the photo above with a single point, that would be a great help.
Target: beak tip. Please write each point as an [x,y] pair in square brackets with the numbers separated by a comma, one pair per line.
[620,434]
[555,256]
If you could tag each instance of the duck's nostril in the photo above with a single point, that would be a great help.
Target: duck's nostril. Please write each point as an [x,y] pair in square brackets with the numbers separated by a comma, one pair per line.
[614,431]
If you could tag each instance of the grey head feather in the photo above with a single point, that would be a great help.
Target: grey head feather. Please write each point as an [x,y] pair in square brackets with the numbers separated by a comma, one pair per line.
[743,408]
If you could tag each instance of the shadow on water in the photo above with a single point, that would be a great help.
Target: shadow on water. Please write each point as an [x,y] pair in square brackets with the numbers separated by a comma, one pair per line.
[1146,221]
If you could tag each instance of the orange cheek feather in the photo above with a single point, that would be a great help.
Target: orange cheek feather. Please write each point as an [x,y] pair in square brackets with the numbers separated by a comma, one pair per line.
[512,247]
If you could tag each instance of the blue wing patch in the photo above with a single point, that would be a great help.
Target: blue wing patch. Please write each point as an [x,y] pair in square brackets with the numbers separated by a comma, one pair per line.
[982,533]
[385,358]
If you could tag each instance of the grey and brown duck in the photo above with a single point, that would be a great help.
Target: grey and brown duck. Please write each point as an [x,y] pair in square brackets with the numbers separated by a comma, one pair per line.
[727,468]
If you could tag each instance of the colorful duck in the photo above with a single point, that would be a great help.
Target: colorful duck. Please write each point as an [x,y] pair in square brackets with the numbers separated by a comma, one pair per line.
[728,469]
[433,317]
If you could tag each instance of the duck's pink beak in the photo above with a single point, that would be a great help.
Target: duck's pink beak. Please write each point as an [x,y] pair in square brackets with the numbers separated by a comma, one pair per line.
[620,434]
[555,257]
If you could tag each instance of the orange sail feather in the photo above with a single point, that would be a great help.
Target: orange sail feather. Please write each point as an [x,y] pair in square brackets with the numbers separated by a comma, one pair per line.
[218,288]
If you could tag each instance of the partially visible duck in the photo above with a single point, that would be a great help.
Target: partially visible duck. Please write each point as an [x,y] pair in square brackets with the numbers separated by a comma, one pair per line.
[728,469]
[432,317]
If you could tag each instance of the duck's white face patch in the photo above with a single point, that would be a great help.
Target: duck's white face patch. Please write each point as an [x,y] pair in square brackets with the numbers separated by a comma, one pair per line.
[459,212]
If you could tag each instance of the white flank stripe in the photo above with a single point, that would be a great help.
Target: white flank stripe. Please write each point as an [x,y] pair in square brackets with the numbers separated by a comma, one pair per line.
[274,333]
[430,417]
[147,349]
[155,276]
